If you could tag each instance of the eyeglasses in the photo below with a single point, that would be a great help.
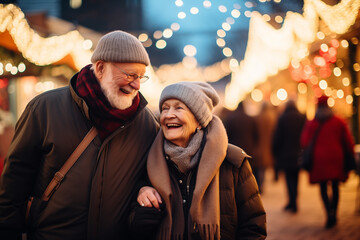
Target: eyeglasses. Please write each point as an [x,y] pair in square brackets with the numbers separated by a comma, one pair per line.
[132,77]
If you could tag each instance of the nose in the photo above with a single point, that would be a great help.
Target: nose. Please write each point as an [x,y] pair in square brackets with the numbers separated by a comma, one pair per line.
[135,84]
[170,113]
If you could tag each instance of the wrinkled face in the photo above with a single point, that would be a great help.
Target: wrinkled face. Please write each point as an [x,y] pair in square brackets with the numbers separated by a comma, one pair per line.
[115,84]
[177,122]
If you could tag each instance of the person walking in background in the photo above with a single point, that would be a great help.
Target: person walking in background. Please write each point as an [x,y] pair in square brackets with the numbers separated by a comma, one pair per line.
[333,141]
[286,149]
[206,184]
[94,198]
[242,131]
[266,120]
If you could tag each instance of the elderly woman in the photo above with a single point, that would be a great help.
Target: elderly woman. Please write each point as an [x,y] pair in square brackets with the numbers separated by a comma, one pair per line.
[207,187]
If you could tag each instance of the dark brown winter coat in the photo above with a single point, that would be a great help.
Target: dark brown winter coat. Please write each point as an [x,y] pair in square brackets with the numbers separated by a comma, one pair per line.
[93,200]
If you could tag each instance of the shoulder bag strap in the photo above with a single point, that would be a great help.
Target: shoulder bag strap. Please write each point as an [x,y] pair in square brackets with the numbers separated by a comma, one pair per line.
[59,176]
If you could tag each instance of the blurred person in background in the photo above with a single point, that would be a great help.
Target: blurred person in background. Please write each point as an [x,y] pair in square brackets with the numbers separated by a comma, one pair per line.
[286,149]
[266,120]
[6,135]
[206,184]
[94,197]
[333,141]
[242,131]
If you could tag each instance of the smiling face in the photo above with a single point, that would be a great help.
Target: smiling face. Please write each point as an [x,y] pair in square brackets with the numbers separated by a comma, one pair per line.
[115,85]
[177,122]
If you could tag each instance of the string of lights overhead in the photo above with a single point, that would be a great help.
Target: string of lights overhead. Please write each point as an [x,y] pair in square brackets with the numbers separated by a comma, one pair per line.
[268,51]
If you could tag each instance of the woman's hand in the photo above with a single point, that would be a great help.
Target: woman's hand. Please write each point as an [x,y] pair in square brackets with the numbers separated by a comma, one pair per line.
[149,197]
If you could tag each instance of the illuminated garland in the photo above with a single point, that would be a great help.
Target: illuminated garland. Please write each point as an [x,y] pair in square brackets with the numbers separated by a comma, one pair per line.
[268,53]
[39,50]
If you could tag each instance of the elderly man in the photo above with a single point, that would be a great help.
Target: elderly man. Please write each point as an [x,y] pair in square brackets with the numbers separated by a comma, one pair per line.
[92,200]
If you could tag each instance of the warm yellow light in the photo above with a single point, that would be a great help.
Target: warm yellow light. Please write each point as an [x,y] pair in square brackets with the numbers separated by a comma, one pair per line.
[207,4]
[247,13]
[157,34]
[234,63]
[328,91]
[266,17]
[320,35]
[302,88]
[167,33]
[226,26]
[221,33]
[346,81]
[274,99]
[340,93]
[220,42]
[143,37]
[160,44]
[75,3]
[87,44]
[323,84]
[227,52]
[281,94]
[349,99]
[175,26]
[357,91]
[8,67]
[194,10]
[324,47]
[356,67]
[21,67]
[331,102]
[235,13]
[355,40]
[181,15]
[222,9]
[190,50]
[344,43]
[14,70]
[179,3]
[257,95]
[337,71]
[279,19]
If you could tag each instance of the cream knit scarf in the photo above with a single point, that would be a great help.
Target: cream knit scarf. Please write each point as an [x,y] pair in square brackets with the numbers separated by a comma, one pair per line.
[205,206]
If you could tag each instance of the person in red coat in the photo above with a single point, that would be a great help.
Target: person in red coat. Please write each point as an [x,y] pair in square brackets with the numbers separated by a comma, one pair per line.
[333,139]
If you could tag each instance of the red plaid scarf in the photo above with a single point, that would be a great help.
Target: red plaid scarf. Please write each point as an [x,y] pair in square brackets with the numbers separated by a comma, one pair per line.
[105,117]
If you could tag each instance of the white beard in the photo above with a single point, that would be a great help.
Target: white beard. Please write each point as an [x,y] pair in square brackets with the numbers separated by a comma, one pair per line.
[116,98]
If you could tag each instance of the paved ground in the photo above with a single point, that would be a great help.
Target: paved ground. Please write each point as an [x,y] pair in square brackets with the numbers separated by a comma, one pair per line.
[308,223]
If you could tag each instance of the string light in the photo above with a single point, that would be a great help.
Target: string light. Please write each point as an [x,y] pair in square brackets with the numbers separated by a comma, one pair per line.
[289,42]
[43,51]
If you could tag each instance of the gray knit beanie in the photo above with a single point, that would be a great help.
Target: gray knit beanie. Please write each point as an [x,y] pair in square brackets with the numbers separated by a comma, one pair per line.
[199,97]
[120,46]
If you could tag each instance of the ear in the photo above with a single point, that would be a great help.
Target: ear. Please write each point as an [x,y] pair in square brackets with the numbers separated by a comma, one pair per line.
[99,68]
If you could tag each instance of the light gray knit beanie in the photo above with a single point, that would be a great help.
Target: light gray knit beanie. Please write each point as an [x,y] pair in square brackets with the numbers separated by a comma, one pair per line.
[120,46]
[199,97]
